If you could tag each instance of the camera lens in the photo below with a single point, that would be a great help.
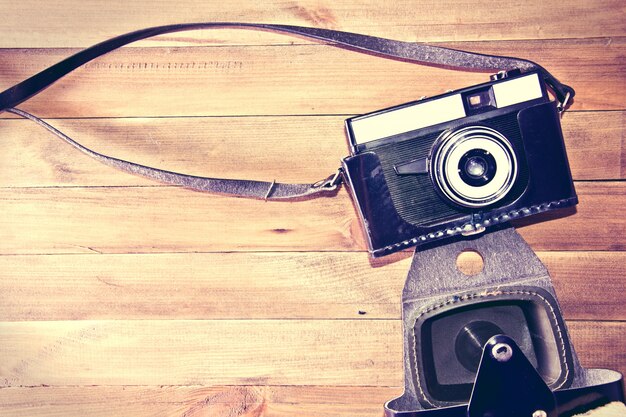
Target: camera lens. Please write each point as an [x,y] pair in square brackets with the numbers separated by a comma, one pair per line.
[477,167]
[474,166]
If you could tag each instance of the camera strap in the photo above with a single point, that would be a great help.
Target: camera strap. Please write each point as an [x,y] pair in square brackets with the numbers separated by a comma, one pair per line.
[386,48]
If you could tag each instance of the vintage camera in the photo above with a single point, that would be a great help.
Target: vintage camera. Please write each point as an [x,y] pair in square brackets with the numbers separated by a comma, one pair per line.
[457,163]
[497,336]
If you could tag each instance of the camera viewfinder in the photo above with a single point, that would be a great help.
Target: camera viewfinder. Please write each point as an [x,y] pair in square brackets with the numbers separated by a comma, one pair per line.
[480,100]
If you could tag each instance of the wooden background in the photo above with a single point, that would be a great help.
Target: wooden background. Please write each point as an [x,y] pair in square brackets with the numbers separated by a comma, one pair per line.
[121,296]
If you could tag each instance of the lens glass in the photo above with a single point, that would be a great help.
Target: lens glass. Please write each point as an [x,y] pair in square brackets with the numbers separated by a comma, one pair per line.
[477,167]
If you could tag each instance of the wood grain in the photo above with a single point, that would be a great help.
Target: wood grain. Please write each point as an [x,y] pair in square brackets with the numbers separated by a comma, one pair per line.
[291,80]
[120,296]
[123,219]
[201,352]
[62,23]
[167,401]
[242,401]
[261,286]
[184,401]
[234,352]
[290,149]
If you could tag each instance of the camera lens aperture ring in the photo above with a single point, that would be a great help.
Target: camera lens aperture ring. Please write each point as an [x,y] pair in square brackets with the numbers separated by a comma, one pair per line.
[474,166]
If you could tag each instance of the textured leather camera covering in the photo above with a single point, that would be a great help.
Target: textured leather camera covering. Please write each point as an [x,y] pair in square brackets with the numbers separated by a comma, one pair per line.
[434,279]
[553,333]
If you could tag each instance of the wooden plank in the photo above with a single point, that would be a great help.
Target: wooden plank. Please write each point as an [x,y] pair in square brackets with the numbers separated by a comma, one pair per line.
[614,409]
[589,284]
[591,225]
[54,220]
[290,149]
[244,401]
[599,344]
[55,23]
[267,401]
[232,352]
[172,219]
[261,286]
[298,79]
[595,144]
[201,352]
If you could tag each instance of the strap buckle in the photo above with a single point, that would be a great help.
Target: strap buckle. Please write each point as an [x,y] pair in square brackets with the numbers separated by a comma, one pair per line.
[563,104]
[332,182]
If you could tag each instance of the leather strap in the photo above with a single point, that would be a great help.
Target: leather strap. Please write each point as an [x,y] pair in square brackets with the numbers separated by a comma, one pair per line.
[240,188]
[407,51]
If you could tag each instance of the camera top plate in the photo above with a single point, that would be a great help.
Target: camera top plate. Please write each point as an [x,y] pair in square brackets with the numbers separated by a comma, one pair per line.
[398,123]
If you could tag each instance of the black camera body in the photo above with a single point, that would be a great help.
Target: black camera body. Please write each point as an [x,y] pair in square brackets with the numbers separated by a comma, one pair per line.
[457,163]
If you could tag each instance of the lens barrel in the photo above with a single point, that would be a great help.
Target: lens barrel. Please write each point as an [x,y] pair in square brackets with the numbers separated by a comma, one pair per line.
[474,166]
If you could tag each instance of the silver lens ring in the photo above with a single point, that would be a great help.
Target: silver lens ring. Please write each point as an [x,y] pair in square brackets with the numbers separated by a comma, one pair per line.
[448,153]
